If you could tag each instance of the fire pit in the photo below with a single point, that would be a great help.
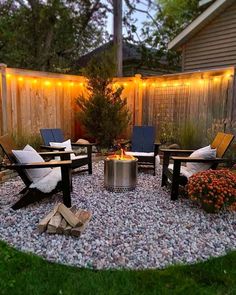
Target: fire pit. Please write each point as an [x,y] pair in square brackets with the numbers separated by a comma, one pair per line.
[120,173]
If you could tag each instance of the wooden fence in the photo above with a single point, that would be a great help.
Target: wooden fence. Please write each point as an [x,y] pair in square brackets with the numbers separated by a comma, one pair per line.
[30,100]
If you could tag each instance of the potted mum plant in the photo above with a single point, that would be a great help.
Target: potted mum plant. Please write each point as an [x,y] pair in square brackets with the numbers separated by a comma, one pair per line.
[213,190]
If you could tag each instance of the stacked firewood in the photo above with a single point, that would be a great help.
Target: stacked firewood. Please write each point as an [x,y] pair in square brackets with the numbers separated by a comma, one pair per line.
[63,220]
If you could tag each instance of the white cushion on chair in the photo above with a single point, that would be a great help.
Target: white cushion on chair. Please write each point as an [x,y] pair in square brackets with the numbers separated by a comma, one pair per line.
[29,155]
[80,157]
[191,167]
[204,153]
[151,154]
[66,144]
[49,182]
[183,170]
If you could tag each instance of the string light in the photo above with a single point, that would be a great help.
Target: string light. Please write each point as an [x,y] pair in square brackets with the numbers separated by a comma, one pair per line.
[164,84]
[144,84]
[59,83]
[216,79]
[47,83]
[35,81]
[176,84]
[81,84]
[125,84]
[8,75]
[20,79]
[71,83]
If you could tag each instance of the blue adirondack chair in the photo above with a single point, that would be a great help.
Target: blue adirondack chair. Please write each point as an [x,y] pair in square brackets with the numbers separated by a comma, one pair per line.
[56,135]
[143,146]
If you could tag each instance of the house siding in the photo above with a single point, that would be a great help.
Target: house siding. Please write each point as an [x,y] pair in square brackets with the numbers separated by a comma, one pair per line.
[213,46]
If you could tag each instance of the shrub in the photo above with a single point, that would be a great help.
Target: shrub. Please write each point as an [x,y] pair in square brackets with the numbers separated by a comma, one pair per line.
[190,137]
[21,140]
[213,190]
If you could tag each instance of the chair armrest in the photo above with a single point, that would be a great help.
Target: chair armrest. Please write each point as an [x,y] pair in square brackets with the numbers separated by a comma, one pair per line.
[200,160]
[177,151]
[83,144]
[53,148]
[19,166]
[65,155]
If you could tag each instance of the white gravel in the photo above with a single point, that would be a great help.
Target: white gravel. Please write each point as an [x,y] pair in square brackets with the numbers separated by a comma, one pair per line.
[137,230]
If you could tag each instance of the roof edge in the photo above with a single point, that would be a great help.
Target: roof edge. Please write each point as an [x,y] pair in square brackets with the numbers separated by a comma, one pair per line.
[199,22]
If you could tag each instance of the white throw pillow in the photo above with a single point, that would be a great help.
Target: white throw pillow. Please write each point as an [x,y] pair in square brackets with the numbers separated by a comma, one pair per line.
[29,155]
[82,141]
[66,144]
[204,153]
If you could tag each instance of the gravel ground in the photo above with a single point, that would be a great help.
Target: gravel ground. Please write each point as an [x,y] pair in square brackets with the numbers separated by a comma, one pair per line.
[137,230]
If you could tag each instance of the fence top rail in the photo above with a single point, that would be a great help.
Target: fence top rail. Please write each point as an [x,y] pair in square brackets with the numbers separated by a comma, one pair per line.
[38,74]
[175,76]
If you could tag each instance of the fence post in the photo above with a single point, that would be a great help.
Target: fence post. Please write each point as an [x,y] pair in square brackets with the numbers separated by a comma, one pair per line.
[138,101]
[234,97]
[3,100]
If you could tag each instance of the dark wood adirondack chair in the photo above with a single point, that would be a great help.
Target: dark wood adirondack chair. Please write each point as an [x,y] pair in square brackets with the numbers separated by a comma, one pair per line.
[143,146]
[56,135]
[31,195]
[221,143]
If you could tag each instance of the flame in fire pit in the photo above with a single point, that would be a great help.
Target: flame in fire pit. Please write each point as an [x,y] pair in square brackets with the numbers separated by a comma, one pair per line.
[122,156]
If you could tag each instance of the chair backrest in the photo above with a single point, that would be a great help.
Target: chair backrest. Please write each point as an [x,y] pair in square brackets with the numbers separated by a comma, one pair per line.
[143,139]
[221,143]
[52,135]
[7,145]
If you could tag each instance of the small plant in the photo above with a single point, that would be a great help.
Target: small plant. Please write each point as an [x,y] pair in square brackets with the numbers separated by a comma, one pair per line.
[213,190]
[22,140]
[190,136]
[168,133]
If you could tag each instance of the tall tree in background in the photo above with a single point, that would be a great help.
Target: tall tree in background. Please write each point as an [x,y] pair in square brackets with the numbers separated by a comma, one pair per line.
[171,18]
[49,35]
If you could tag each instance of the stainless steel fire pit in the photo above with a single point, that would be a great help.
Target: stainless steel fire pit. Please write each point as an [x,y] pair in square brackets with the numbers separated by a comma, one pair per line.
[120,175]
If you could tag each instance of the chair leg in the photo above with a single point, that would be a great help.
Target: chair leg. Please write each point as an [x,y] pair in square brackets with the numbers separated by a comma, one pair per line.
[29,197]
[154,164]
[164,178]
[175,181]
[66,185]
[90,167]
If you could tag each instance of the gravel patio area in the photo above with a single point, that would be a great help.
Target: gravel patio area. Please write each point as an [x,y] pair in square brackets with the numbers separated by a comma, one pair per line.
[137,230]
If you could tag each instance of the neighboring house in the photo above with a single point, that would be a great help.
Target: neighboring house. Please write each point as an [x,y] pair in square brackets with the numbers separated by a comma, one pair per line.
[210,40]
[133,61]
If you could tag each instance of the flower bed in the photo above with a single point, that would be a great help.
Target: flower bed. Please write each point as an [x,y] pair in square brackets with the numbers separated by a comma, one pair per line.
[213,189]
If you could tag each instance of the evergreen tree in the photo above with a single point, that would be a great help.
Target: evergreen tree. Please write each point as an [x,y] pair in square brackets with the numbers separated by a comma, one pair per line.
[104,114]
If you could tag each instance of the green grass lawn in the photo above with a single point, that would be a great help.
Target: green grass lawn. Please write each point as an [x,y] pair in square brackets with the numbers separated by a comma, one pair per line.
[28,274]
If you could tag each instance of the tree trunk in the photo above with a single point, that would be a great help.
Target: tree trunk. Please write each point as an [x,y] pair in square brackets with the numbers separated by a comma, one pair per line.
[117,33]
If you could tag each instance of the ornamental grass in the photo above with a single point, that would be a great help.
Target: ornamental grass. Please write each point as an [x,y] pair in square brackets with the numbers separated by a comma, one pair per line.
[213,190]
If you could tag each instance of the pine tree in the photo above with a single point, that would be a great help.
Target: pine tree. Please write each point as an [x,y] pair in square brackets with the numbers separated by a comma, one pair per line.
[104,114]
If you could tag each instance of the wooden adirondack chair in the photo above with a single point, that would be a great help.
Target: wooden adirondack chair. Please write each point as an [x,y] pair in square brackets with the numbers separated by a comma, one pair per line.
[56,135]
[31,195]
[143,146]
[221,143]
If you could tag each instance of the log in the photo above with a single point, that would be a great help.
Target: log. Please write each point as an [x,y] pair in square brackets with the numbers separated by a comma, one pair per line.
[84,216]
[68,215]
[67,230]
[42,226]
[61,228]
[54,223]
